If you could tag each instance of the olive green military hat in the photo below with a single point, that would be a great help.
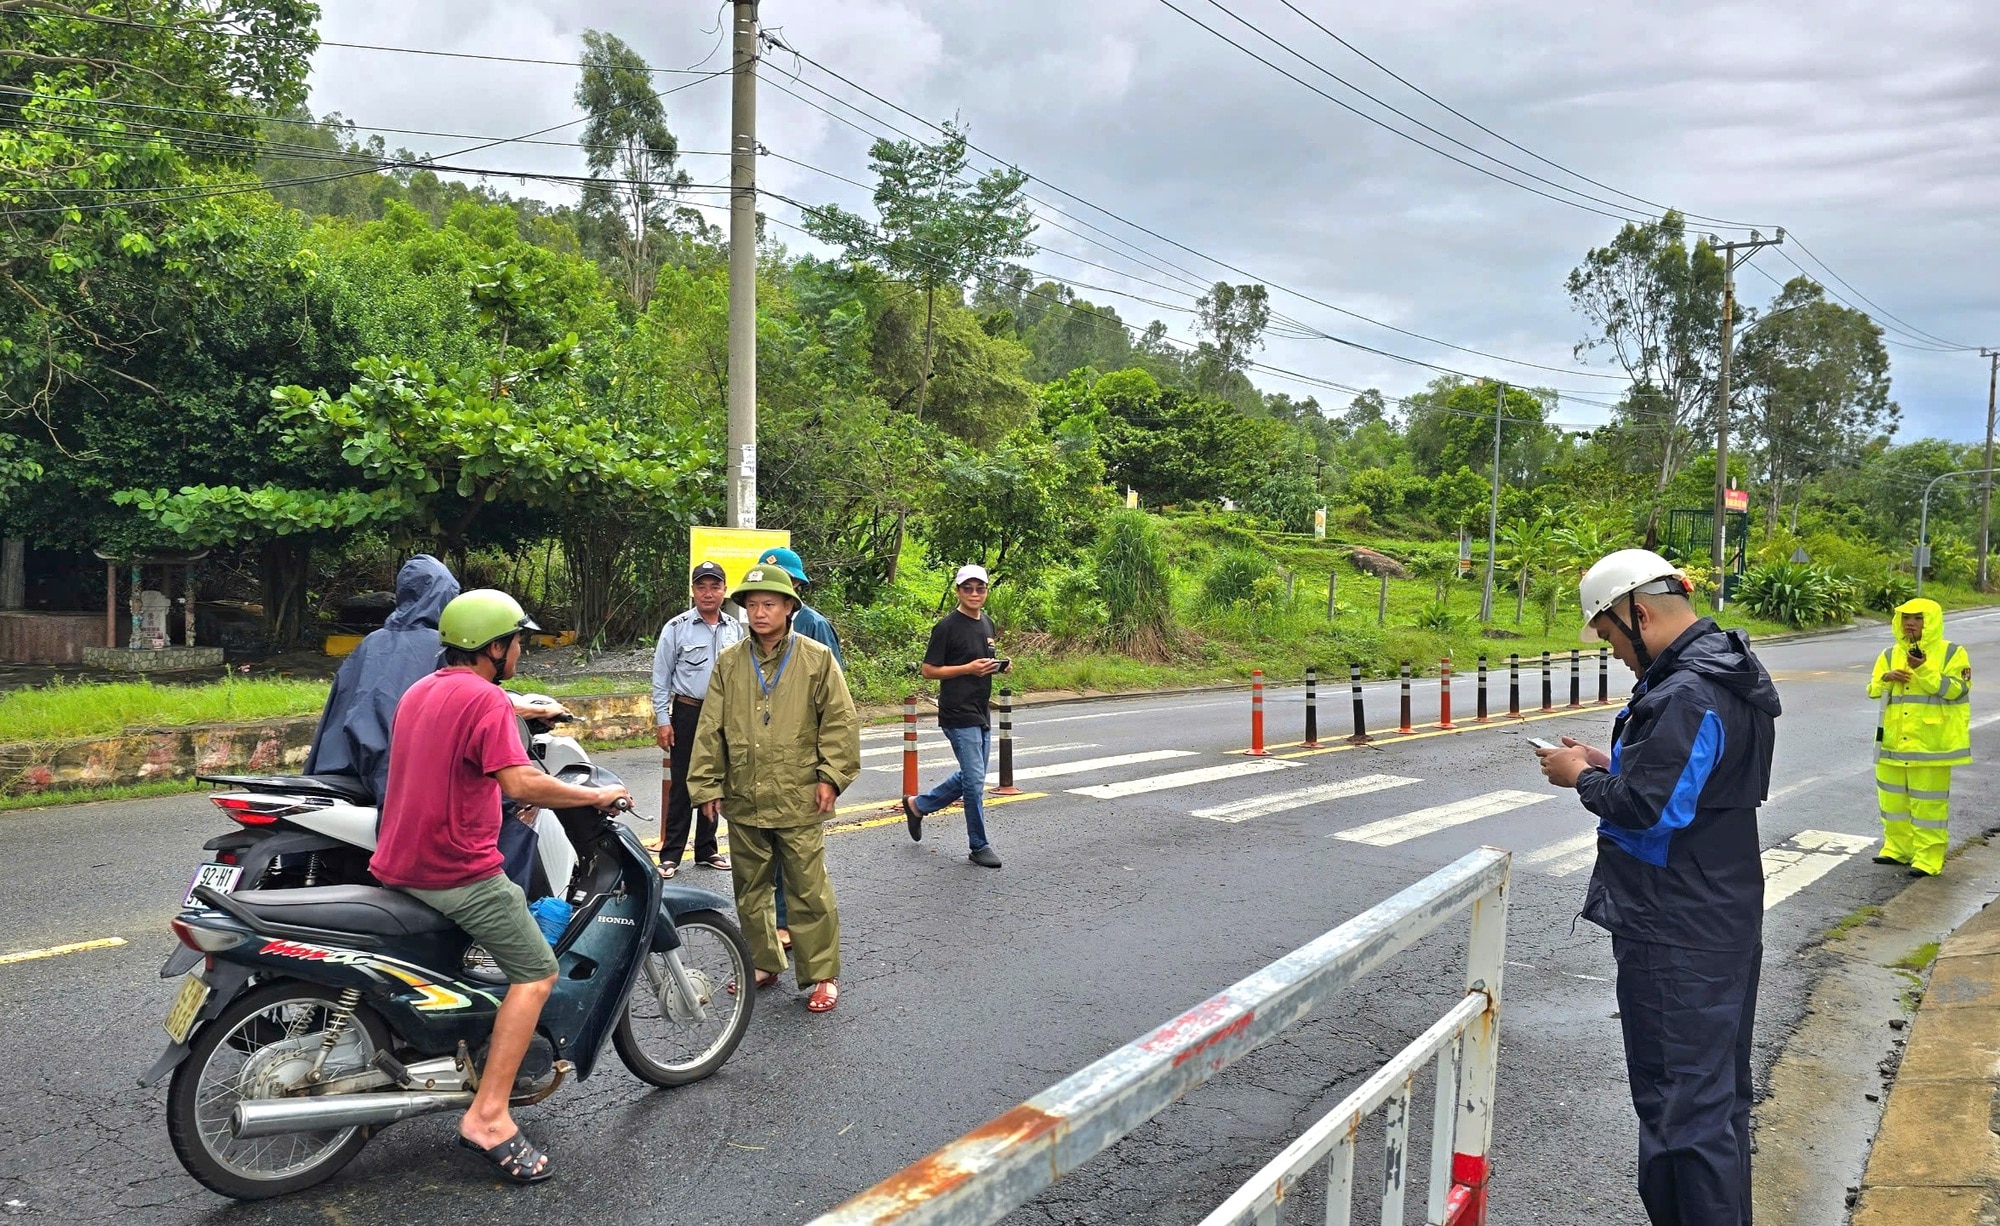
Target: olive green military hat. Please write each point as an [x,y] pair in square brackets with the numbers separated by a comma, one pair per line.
[764,578]
[478,617]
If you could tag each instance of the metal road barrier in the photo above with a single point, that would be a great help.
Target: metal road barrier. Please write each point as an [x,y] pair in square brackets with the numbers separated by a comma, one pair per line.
[995,1168]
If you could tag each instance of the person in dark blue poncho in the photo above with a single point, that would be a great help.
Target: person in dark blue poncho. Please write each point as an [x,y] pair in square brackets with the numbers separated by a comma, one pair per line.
[353,735]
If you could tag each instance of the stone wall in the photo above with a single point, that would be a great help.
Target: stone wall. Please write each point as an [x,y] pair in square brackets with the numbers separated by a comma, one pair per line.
[251,748]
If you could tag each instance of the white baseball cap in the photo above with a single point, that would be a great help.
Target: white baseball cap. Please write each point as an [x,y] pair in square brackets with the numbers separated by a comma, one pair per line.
[970,570]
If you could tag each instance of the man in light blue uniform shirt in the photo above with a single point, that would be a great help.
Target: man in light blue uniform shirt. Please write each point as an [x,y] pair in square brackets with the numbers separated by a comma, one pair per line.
[689,645]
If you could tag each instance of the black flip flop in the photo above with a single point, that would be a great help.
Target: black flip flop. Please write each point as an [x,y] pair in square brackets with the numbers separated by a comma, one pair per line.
[515,1158]
[914,820]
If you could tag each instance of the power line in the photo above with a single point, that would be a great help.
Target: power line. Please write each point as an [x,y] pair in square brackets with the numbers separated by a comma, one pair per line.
[1433,98]
[1879,310]
[1149,232]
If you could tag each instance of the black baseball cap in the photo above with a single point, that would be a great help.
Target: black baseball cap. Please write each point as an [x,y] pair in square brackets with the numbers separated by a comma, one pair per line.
[708,570]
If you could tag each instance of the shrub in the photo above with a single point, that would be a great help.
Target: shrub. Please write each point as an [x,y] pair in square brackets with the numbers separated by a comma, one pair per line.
[1884,594]
[1239,577]
[1132,577]
[1075,610]
[1439,617]
[1797,593]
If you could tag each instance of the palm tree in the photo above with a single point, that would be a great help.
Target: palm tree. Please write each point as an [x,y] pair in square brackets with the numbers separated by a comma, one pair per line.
[1524,548]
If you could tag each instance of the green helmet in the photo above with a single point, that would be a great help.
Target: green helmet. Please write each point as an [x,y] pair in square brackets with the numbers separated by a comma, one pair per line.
[478,617]
[765,578]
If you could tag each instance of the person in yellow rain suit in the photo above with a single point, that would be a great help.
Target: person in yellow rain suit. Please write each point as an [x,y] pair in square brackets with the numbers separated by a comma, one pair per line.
[1925,687]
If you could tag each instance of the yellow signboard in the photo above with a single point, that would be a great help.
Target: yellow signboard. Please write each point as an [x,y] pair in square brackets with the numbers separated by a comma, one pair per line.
[734,549]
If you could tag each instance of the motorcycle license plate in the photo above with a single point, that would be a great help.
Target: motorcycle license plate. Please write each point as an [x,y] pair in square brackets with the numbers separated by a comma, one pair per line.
[180,1018]
[221,878]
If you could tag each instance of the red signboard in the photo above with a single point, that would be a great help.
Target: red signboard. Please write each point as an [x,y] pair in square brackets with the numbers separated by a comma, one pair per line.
[1736,500]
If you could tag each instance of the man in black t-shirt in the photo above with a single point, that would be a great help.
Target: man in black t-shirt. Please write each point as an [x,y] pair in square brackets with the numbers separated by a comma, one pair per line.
[960,658]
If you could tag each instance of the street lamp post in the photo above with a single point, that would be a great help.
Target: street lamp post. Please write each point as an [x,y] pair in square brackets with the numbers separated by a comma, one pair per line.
[1924,518]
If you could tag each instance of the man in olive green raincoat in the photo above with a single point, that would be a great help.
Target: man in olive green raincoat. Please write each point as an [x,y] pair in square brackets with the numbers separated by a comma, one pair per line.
[777,743]
[1925,687]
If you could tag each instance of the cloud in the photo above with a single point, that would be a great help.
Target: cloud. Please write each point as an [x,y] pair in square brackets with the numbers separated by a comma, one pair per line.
[1869,131]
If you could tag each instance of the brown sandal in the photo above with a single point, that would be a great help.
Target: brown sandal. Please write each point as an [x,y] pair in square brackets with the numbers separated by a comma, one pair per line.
[764,979]
[825,995]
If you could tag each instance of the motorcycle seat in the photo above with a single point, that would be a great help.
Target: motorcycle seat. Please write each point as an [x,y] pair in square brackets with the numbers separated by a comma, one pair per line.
[344,908]
[350,788]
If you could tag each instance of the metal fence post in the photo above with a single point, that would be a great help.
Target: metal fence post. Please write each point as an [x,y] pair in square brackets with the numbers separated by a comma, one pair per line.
[1513,684]
[1360,717]
[910,745]
[1312,708]
[1444,692]
[1257,749]
[1332,602]
[1575,679]
[1382,604]
[1006,787]
[1603,676]
[1405,725]
[1548,694]
[1486,954]
[1482,689]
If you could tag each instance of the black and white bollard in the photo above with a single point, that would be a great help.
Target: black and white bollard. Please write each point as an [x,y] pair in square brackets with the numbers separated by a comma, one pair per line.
[1006,787]
[1312,709]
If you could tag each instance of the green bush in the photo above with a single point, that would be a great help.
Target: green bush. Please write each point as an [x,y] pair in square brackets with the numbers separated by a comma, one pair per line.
[1239,577]
[1438,616]
[1886,593]
[1133,578]
[1076,612]
[1797,593]
[1953,558]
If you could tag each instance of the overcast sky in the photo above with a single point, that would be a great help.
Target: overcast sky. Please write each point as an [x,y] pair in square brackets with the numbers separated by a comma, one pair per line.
[1867,130]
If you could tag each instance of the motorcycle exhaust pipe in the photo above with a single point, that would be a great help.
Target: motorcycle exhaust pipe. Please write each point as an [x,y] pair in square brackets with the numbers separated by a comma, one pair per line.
[271,1117]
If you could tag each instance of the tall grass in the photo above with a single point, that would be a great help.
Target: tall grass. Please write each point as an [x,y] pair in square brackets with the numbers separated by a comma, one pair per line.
[64,711]
[1135,584]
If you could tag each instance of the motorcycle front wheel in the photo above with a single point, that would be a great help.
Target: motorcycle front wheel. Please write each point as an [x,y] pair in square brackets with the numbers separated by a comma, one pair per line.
[660,1038]
[262,1046]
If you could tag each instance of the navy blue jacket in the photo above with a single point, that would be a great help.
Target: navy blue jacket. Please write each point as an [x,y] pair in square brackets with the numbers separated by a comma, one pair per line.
[353,734]
[1678,851]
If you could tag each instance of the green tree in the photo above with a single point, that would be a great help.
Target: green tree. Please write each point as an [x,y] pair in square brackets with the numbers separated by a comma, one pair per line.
[933,230]
[116,213]
[1230,320]
[1023,506]
[631,154]
[1815,388]
[1656,305]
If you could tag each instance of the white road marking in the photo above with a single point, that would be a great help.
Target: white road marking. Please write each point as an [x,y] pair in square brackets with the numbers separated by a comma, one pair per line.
[1809,855]
[922,747]
[1181,779]
[1566,856]
[1984,720]
[1262,806]
[1084,765]
[1393,830]
[1792,788]
[1020,722]
[56,951]
[1020,751]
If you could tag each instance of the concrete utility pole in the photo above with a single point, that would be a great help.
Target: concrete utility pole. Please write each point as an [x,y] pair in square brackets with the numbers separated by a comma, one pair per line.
[1730,259]
[1986,487]
[1493,514]
[741,461]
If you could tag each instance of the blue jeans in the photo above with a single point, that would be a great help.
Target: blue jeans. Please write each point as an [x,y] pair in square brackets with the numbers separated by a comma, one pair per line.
[967,784]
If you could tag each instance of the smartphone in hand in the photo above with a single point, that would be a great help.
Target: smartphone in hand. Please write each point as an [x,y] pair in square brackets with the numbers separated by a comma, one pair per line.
[1535,742]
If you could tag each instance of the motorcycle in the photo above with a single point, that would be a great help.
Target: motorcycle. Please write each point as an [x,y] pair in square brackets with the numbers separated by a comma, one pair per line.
[297,831]
[321,1014]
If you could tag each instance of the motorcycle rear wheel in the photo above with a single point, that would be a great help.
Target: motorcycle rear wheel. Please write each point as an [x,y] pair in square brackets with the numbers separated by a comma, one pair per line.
[666,1053]
[256,1044]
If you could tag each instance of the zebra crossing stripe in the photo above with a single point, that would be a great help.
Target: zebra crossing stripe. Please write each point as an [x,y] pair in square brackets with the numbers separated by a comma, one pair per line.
[1280,802]
[1805,858]
[1560,859]
[1084,765]
[1393,830]
[1020,751]
[1180,779]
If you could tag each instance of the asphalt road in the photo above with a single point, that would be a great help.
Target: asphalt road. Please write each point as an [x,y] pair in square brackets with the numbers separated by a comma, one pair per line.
[966,990]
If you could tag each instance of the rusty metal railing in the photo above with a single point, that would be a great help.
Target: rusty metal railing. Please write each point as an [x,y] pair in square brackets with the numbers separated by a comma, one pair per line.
[993,1169]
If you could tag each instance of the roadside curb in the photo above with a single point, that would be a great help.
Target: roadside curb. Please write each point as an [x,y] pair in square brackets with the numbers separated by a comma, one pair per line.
[1936,1161]
[1822,1133]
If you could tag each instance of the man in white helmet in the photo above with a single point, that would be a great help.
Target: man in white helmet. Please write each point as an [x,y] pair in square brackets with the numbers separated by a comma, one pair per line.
[1678,881]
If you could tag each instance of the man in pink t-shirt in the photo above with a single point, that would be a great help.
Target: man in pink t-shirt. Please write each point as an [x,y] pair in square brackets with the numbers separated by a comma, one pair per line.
[453,753]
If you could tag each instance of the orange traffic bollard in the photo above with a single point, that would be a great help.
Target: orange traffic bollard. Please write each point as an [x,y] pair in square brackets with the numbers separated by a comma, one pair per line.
[1444,692]
[1257,749]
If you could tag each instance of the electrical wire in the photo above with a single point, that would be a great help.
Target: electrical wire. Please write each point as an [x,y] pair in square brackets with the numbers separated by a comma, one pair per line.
[1149,232]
